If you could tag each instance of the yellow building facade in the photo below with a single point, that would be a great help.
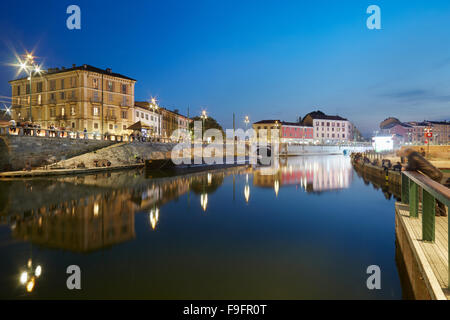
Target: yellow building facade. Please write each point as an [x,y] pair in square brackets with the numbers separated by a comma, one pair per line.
[77,98]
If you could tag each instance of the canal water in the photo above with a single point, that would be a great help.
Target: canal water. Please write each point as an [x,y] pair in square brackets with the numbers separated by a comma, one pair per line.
[305,228]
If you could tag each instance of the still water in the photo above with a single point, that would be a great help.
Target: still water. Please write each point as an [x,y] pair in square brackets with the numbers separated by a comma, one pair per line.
[306,228]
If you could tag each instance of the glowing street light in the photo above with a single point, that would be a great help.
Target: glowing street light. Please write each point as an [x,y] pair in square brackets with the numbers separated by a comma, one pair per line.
[246,120]
[31,68]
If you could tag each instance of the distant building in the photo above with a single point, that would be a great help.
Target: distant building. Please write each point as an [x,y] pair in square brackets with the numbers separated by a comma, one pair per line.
[172,121]
[331,129]
[414,132]
[292,132]
[265,128]
[77,98]
[288,132]
[149,115]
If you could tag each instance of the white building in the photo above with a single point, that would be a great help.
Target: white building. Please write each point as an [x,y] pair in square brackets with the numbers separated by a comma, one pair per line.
[148,114]
[329,129]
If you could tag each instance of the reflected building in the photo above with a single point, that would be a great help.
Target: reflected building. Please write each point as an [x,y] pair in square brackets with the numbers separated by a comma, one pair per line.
[84,214]
[312,173]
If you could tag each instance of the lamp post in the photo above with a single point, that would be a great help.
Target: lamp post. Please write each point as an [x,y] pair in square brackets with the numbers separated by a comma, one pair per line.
[154,106]
[204,117]
[246,121]
[30,67]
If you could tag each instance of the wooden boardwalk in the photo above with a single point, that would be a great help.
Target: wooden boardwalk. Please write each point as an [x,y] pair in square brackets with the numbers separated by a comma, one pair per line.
[431,257]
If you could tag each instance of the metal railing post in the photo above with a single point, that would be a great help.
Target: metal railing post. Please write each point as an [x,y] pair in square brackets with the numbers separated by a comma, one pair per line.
[428,216]
[405,189]
[413,199]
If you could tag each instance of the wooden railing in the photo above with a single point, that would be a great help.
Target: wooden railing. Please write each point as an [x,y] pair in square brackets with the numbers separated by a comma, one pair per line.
[412,184]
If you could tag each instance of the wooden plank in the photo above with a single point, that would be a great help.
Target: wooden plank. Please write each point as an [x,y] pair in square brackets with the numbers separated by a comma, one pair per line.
[430,256]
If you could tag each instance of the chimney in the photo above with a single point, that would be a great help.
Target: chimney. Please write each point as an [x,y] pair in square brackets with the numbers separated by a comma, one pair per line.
[108,70]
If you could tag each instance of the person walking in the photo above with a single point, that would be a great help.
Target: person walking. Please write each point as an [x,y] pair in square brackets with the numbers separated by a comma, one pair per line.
[416,162]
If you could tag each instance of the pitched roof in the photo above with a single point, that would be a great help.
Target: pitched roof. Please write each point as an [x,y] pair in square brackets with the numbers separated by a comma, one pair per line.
[84,67]
[267,121]
[322,116]
[293,124]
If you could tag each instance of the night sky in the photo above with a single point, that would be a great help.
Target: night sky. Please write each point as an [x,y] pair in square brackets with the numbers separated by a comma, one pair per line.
[265,59]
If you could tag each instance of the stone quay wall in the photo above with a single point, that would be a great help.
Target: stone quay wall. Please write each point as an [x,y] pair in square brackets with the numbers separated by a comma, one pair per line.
[16,152]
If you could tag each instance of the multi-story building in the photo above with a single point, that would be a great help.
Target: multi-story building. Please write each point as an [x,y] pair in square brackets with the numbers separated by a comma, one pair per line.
[171,121]
[77,98]
[292,132]
[415,132]
[264,130]
[332,129]
[149,115]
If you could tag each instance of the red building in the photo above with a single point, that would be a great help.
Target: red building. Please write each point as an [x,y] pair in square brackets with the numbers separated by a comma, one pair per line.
[292,132]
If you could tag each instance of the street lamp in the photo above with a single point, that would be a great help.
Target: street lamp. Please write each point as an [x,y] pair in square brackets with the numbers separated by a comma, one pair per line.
[154,106]
[247,121]
[204,117]
[31,68]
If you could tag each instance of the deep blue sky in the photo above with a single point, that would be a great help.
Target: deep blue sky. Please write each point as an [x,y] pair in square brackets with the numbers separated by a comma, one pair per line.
[267,59]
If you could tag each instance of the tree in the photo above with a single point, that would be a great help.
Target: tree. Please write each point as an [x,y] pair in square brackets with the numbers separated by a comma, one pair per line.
[210,123]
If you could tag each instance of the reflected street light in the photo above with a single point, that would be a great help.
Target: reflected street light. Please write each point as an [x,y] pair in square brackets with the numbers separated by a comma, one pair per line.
[28,277]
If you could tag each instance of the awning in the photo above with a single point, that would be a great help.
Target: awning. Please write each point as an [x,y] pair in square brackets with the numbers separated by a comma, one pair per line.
[139,126]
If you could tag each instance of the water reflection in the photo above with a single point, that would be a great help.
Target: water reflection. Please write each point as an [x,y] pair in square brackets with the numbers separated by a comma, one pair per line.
[96,211]
[313,174]
[210,234]
[87,213]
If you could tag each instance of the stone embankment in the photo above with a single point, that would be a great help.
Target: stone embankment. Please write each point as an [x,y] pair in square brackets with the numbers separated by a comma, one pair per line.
[120,154]
[18,152]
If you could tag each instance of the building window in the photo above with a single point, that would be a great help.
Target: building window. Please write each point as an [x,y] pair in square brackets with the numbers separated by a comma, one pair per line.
[124,127]
[52,85]
[137,114]
[52,112]
[95,83]
[96,96]
[27,88]
[63,111]
[73,82]
[39,87]
[52,96]
[39,99]
[73,125]
[62,95]
[110,86]
[18,90]
[124,88]
[95,111]
[95,125]
[146,117]
[72,111]
[62,83]
[110,97]
[124,114]
[110,127]
[142,115]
